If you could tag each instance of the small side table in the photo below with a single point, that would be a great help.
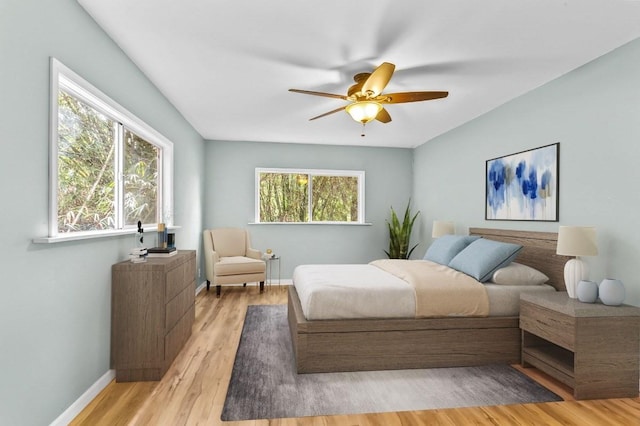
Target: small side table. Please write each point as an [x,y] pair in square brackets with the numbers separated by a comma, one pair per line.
[270,263]
[590,347]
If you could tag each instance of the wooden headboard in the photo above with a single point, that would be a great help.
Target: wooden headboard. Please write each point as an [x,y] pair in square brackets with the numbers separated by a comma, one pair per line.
[539,251]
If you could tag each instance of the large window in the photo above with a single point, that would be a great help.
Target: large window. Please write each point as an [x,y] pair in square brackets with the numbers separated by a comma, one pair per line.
[309,196]
[109,170]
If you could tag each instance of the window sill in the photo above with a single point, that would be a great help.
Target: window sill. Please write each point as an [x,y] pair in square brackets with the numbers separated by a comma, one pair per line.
[77,236]
[313,223]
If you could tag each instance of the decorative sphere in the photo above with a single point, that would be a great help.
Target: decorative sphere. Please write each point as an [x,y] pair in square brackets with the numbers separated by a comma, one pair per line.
[587,291]
[611,292]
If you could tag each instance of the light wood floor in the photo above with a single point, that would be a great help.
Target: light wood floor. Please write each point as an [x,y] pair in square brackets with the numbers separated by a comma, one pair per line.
[193,390]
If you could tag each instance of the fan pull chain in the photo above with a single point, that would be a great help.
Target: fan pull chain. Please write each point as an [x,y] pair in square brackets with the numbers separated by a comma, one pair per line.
[363,135]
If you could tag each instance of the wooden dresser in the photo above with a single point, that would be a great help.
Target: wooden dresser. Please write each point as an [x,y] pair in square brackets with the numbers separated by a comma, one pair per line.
[589,346]
[152,311]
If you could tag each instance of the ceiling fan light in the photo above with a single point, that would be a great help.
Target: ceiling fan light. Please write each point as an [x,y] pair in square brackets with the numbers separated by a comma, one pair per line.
[364,111]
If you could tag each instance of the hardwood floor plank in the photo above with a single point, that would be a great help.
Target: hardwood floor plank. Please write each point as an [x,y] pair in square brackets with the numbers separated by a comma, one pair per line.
[194,388]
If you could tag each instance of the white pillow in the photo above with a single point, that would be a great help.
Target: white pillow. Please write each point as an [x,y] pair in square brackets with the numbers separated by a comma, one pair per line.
[518,274]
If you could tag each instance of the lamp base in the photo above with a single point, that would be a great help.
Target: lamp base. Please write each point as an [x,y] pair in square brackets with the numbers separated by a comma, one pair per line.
[575,270]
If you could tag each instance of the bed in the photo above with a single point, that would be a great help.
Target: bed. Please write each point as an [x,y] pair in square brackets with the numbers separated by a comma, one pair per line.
[331,345]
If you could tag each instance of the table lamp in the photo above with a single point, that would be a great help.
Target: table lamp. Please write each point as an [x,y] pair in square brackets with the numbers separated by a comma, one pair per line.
[576,241]
[441,228]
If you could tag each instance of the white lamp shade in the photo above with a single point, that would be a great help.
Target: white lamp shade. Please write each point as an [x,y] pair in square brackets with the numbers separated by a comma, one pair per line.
[577,241]
[441,228]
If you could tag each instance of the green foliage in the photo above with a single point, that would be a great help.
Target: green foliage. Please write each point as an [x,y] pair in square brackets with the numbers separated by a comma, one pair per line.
[284,197]
[334,199]
[400,234]
[87,187]
[85,167]
[140,180]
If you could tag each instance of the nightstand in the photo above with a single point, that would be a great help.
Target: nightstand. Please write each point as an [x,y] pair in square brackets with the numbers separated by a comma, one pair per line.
[592,348]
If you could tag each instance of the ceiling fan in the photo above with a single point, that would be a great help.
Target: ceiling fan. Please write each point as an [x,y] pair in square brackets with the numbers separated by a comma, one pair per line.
[366,97]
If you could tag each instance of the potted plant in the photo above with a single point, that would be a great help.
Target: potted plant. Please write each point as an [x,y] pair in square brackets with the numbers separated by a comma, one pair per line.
[400,234]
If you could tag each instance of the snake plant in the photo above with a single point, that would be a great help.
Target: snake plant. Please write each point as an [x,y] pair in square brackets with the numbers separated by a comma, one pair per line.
[400,234]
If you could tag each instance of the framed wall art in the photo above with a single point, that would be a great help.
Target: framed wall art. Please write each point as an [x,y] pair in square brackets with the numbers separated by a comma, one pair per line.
[524,185]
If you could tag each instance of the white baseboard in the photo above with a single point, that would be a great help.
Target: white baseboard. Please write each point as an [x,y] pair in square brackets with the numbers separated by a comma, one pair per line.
[81,403]
[284,281]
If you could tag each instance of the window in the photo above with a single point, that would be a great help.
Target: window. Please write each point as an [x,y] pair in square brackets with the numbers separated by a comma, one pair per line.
[309,196]
[109,169]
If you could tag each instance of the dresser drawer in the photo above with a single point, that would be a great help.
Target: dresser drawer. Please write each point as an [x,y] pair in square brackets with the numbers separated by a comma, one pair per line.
[175,282]
[179,305]
[549,325]
[180,276]
[179,334]
[190,269]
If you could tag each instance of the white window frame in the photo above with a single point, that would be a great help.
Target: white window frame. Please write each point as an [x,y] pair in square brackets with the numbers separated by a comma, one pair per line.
[360,174]
[68,80]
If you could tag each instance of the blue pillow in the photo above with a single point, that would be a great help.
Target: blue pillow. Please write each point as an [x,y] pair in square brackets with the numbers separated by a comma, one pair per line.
[483,257]
[445,248]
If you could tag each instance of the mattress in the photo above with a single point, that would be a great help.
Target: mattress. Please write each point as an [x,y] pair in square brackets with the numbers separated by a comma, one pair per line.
[365,291]
[504,300]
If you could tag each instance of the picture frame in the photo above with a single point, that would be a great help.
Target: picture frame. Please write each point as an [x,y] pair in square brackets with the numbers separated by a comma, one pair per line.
[524,186]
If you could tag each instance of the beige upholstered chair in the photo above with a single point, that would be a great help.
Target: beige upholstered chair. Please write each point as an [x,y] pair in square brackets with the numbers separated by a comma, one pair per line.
[229,258]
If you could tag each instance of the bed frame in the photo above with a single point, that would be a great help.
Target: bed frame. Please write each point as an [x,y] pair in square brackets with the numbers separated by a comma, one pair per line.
[391,344]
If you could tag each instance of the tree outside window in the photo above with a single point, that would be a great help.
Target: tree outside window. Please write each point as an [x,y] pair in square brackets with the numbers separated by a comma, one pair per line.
[88,193]
[109,169]
[301,196]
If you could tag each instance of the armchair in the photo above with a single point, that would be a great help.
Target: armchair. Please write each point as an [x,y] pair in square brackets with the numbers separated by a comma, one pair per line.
[229,258]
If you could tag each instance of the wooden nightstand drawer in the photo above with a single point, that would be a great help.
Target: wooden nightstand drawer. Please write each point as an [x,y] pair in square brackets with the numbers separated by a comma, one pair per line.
[550,325]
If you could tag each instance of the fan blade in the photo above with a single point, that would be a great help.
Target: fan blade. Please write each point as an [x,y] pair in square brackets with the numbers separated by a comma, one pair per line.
[383,116]
[398,98]
[326,95]
[328,113]
[378,79]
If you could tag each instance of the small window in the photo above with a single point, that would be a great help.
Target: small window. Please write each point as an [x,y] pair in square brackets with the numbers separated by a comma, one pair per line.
[309,196]
[109,169]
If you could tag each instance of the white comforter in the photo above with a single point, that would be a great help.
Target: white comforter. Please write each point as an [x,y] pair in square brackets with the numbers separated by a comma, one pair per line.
[352,291]
[367,291]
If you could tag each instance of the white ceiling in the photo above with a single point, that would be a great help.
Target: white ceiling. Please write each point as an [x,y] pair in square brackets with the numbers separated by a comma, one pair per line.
[227,65]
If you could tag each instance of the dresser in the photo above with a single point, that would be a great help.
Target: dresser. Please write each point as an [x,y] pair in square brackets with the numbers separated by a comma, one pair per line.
[590,347]
[152,311]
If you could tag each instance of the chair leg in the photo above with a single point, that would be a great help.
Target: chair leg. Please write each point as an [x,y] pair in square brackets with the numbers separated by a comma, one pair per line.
[261,286]
[244,284]
[218,288]
[208,284]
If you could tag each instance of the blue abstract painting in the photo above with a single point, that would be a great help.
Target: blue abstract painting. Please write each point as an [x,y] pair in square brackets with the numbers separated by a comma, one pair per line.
[524,186]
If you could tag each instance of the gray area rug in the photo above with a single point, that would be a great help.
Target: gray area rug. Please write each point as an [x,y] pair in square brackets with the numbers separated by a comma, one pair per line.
[265,385]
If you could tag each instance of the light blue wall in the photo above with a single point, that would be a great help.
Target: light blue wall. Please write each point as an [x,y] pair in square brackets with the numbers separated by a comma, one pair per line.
[229,198]
[55,299]
[594,112]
